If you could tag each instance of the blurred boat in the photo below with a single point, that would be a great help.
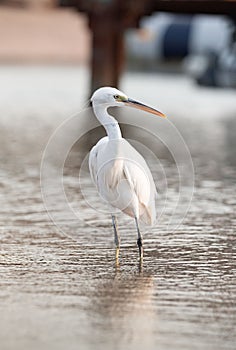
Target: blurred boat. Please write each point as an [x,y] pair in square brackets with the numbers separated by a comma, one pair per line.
[202,46]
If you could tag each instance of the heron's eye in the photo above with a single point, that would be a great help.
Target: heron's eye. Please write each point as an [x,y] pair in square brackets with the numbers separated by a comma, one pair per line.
[116,97]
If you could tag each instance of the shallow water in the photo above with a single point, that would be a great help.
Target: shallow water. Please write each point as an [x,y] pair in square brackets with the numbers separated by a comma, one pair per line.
[65,291]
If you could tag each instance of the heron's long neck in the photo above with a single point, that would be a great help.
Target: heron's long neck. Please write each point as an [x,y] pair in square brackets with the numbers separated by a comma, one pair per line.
[110,124]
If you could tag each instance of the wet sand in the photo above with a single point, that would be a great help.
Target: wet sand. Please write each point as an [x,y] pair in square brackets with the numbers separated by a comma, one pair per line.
[62,291]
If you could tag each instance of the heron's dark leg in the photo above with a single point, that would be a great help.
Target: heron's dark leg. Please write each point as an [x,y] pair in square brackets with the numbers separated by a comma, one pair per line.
[139,240]
[116,235]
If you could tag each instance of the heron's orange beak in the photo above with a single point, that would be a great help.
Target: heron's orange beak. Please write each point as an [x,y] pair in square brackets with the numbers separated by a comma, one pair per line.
[135,104]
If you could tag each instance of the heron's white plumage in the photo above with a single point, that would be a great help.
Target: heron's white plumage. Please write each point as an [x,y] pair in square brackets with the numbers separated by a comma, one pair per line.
[123,178]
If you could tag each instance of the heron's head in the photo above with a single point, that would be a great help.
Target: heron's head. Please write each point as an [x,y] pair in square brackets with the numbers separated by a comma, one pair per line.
[112,97]
[109,96]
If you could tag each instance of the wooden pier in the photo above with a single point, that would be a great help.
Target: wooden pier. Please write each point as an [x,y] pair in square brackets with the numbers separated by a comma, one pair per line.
[108,20]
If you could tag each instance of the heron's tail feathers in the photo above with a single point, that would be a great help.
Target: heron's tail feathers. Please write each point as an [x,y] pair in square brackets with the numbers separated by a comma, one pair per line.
[147,215]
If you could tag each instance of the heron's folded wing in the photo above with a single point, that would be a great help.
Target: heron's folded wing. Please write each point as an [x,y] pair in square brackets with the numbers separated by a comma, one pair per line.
[141,181]
[93,164]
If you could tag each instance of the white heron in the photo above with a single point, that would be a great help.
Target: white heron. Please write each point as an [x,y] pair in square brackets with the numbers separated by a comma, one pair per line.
[118,171]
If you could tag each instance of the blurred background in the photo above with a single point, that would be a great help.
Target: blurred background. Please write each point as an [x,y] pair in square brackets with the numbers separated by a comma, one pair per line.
[178,56]
[52,32]
[40,32]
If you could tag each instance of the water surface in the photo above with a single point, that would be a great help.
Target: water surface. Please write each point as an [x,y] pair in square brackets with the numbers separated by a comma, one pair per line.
[65,291]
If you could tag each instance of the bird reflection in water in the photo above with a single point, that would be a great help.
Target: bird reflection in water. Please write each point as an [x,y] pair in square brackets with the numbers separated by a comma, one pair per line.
[122,309]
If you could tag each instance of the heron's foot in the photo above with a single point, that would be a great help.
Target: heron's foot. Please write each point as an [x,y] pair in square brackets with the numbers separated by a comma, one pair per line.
[117,253]
[140,265]
[140,247]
